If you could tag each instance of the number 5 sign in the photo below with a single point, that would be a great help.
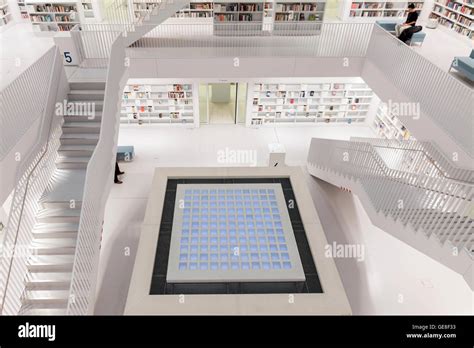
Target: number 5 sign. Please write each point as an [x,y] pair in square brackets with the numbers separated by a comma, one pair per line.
[67,47]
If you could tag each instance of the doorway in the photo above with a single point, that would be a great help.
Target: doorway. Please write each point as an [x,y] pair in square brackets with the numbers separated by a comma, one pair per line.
[222,103]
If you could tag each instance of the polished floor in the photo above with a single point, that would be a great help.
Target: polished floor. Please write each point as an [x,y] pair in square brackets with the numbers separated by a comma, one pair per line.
[392,278]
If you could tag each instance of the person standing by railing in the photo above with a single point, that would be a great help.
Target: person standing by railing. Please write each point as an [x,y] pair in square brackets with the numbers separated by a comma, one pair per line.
[410,22]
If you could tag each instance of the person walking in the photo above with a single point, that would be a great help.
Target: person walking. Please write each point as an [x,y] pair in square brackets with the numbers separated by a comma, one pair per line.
[117,173]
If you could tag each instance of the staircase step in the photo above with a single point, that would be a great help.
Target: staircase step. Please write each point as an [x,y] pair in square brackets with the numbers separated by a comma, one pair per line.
[72,162]
[86,94]
[45,298]
[76,150]
[84,106]
[80,118]
[58,215]
[81,127]
[80,138]
[88,85]
[50,263]
[58,230]
[54,246]
[45,311]
[49,280]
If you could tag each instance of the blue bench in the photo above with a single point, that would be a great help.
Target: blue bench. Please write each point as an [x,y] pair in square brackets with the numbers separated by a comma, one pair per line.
[125,153]
[389,25]
[464,65]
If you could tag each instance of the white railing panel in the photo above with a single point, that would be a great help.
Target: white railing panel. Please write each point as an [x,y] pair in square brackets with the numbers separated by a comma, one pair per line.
[435,203]
[32,180]
[441,97]
[96,190]
[23,101]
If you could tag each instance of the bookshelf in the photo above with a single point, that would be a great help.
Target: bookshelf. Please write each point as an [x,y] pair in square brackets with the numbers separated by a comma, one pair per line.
[158,103]
[389,126]
[23,10]
[201,9]
[5,14]
[457,15]
[53,15]
[298,15]
[228,16]
[140,6]
[378,9]
[88,9]
[335,103]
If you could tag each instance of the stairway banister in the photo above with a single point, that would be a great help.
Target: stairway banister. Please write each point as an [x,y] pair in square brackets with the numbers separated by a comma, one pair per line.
[10,301]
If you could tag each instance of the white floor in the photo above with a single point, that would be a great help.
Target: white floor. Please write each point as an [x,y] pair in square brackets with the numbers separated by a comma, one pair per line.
[441,45]
[373,286]
[222,113]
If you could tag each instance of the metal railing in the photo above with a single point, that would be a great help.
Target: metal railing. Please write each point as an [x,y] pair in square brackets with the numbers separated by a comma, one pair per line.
[435,204]
[96,188]
[94,41]
[23,101]
[441,97]
[250,39]
[424,155]
[33,178]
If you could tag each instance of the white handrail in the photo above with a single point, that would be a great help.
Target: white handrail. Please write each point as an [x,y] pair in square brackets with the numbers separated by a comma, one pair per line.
[23,101]
[441,97]
[249,39]
[32,179]
[435,204]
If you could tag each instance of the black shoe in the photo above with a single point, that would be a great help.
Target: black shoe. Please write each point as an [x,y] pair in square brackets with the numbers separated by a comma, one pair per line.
[118,182]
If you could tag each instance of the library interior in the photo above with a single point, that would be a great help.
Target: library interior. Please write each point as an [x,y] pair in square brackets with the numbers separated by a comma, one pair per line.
[235,154]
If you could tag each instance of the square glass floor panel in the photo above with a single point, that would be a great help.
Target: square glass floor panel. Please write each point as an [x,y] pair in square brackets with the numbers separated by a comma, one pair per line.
[232,233]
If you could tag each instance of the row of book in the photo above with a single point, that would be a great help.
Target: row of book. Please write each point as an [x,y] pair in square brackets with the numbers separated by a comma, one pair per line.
[50,8]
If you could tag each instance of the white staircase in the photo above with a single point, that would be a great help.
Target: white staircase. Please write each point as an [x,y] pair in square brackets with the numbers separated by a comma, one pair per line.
[57,275]
[53,245]
[432,213]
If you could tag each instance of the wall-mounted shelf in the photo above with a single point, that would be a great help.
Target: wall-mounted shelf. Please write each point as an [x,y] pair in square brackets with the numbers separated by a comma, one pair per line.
[457,15]
[23,10]
[377,10]
[53,15]
[278,103]
[158,103]
[5,14]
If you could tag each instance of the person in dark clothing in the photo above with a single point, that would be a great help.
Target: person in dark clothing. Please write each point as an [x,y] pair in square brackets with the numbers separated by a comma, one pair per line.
[410,22]
[117,173]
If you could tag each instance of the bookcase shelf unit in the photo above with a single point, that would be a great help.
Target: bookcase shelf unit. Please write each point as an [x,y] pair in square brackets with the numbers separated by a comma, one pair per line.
[229,15]
[53,15]
[5,14]
[88,9]
[336,103]
[23,10]
[197,9]
[376,10]
[457,15]
[141,6]
[388,126]
[301,16]
[158,103]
